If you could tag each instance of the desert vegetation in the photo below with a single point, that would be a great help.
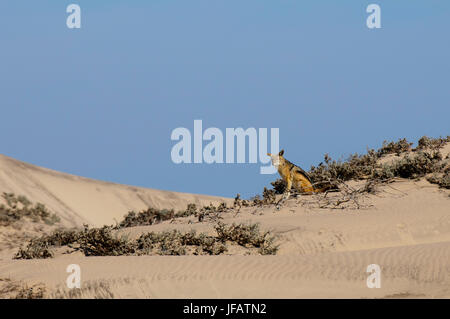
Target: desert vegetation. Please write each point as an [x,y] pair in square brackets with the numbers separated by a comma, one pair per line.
[443,180]
[351,180]
[21,220]
[369,170]
[152,216]
[149,216]
[10,289]
[420,161]
[18,208]
[104,242]
[334,175]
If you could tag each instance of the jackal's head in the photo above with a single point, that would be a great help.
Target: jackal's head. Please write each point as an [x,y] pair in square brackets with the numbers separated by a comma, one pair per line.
[277,159]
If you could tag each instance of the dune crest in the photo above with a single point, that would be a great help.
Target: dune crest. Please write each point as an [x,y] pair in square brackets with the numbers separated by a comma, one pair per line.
[79,200]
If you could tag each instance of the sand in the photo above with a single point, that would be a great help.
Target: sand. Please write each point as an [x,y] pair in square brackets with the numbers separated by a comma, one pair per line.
[324,253]
[81,200]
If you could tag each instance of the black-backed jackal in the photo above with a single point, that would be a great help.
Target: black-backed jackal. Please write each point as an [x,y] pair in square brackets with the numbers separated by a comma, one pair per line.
[293,175]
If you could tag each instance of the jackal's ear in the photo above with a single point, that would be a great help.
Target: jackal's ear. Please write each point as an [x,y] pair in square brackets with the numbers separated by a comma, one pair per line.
[281,153]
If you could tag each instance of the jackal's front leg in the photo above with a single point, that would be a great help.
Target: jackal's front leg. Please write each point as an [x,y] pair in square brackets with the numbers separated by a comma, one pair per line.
[287,192]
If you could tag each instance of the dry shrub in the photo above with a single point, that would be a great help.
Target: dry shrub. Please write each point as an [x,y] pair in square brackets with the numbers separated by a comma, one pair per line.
[211,212]
[41,247]
[206,244]
[10,289]
[360,167]
[443,180]
[36,248]
[102,242]
[348,197]
[89,290]
[401,146]
[268,198]
[146,217]
[33,292]
[356,167]
[164,243]
[332,175]
[279,186]
[176,243]
[92,242]
[154,216]
[238,202]
[19,207]
[411,166]
[426,142]
[190,210]
[247,236]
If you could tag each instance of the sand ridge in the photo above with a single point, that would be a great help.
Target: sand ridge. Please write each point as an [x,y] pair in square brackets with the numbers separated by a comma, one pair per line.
[79,200]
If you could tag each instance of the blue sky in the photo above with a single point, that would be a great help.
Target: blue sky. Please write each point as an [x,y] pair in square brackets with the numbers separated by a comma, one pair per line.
[102,101]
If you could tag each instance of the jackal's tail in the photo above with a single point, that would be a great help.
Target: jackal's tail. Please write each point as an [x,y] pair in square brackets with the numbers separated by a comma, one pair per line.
[322,188]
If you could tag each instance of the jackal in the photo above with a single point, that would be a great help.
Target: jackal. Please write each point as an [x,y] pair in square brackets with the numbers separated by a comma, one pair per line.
[293,175]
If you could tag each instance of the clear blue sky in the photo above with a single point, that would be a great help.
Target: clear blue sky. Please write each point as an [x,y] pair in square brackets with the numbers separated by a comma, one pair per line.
[103,100]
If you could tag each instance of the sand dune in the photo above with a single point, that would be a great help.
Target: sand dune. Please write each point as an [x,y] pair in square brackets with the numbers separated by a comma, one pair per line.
[80,200]
[324,253]
[408,271]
